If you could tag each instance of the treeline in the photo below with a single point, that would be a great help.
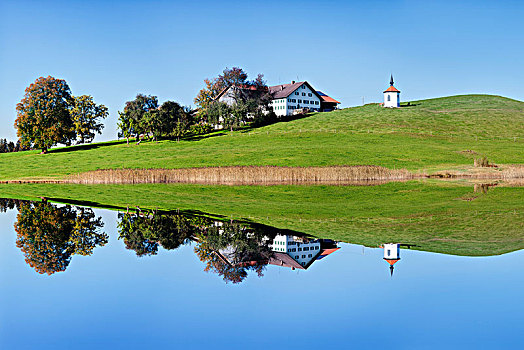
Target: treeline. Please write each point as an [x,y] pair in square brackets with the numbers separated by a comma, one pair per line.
[143,117]
[49,114]
[10,146]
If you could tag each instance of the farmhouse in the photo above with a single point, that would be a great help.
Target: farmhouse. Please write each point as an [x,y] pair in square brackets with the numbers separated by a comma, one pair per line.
[287,99]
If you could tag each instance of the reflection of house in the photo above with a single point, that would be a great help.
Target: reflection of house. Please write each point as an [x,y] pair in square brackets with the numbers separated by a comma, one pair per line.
[392,254]
[299,252]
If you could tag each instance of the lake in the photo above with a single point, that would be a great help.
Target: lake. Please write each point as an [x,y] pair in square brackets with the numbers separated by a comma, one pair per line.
[82,278]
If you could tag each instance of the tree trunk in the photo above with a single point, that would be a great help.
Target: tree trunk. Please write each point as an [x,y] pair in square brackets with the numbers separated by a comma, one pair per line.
[44,150]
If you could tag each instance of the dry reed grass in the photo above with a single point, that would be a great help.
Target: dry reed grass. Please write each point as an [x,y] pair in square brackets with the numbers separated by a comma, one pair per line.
[244,175]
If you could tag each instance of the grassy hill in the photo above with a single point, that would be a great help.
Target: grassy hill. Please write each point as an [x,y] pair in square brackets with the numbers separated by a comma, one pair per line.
[428,135]
[435,216]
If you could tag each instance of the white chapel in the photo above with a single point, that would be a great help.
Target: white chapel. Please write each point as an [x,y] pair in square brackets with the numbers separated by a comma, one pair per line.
[392,96]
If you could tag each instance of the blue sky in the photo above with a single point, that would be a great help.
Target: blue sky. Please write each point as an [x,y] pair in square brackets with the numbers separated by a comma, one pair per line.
[113,50]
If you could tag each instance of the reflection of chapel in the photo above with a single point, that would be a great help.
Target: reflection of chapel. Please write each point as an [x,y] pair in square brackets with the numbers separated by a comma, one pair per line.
[392,254]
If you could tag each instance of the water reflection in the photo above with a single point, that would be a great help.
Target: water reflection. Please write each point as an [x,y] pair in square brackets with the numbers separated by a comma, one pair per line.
[49,235]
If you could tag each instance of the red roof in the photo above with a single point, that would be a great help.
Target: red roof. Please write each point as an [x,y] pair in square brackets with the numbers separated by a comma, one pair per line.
[392,89]
[391,261]
[326,98]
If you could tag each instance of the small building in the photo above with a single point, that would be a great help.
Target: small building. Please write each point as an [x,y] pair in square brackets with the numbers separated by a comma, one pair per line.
[392,254]
[391,96]
[327,104]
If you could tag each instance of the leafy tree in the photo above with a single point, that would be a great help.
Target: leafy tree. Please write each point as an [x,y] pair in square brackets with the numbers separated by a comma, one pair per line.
[131,121]
[124,125]
[86,115]
[49,235]
[251,100]
[175,119]
[233,76]
[43,118]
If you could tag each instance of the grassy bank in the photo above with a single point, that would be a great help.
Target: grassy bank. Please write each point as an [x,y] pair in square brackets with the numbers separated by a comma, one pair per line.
[429,135]
[441,217]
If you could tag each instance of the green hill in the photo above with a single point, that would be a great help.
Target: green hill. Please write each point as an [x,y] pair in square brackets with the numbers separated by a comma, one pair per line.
[428,135]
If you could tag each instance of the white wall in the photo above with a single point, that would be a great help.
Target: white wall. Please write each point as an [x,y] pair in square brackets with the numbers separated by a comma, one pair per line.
[286,106]
[392,251]
[394,99]
[301,252]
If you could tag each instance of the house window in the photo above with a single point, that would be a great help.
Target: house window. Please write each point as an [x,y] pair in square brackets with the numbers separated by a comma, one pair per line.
[303,256]
[389,98]
[296,92]
[303,94]
[296,256]
[303,86]
[310,94]
[299,101]
[310,255]
[299,249]
[316,102]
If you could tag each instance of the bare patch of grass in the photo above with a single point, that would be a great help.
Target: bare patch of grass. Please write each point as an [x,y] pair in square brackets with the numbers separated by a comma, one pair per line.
[244,175]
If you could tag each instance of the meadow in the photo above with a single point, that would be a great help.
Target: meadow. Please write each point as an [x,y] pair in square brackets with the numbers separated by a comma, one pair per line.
[426,136]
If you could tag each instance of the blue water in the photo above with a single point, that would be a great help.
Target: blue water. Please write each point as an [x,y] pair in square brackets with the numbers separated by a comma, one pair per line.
[115,300]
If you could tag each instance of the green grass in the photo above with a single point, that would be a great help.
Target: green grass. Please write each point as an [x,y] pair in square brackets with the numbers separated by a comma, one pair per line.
[436,216]
[431,135]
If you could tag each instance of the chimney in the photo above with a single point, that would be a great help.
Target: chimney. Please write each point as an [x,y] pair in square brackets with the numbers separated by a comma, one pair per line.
[292,82]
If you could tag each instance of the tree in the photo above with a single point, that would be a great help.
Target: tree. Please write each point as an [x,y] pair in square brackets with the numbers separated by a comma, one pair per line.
[43,118]
[124,125]
[131,121]
[175,119]
[86,115]
[250,100]
[233,76]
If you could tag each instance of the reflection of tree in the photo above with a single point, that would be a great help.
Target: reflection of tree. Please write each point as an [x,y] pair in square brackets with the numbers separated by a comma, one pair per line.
[144,231]
[228,249]
[49,235]
[232,249]
[8,204]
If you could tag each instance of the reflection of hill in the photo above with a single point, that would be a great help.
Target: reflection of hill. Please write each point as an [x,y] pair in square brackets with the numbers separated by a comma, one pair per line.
[448,218]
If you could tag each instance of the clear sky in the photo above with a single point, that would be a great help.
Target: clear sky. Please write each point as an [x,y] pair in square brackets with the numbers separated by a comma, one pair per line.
[113,50]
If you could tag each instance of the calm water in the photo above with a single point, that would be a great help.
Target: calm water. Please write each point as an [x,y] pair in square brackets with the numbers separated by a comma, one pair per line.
[77,278]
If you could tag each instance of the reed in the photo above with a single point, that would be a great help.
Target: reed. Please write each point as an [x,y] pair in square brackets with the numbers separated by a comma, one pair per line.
[244,175]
